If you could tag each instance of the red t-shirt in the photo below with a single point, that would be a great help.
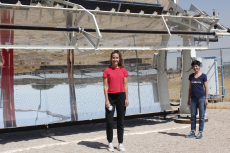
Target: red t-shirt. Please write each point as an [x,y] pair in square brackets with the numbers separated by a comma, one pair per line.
[115,79]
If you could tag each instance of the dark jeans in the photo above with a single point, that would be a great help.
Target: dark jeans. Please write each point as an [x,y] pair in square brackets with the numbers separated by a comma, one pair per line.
[200,104]
[117,100]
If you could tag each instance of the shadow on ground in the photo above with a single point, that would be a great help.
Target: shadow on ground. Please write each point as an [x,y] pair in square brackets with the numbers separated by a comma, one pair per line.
[94,145]
[173,134]
[70,130]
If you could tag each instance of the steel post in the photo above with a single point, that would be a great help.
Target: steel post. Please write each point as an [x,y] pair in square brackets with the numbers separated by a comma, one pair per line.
[185,72]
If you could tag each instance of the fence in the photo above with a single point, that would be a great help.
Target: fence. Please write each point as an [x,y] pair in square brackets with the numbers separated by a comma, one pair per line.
[174,76]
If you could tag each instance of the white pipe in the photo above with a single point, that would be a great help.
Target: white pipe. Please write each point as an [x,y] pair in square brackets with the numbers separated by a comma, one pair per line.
[99,47]
[222,34]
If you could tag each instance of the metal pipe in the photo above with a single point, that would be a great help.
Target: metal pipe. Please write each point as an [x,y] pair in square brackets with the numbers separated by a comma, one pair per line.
[152,32]
[16,27]
[222,34]
[216,77]
[205,39]
[222,73]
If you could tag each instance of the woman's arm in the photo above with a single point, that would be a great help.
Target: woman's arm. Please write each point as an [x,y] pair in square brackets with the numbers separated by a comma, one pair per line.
[206,92]
[189,93]
[105,83]
[126,91]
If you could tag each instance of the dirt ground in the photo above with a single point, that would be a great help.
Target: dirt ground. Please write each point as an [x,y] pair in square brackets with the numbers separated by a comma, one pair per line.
[141,135]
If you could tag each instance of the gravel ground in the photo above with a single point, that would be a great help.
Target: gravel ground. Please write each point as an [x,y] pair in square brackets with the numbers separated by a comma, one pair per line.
[141,135]
[225,103]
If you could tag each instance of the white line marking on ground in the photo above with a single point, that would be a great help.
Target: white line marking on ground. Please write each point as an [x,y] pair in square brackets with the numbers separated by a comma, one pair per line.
[98,138]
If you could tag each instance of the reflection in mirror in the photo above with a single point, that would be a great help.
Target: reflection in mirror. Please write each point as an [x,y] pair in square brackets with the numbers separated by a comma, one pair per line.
[7,71]
[67,86]
[50,86]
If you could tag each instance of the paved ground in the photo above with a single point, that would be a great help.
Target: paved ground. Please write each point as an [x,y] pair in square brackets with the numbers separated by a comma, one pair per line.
[141,135]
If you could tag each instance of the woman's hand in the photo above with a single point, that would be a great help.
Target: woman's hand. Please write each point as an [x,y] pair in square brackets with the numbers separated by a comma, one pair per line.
[206,102]
[107,103]
[126,103]
[188,103]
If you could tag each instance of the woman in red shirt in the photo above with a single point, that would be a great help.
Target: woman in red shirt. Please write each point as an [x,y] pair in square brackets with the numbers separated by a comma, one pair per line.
[116,96]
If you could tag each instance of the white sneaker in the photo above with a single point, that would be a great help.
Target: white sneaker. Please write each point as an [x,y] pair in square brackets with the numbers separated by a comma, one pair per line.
[110,148]
[121,147]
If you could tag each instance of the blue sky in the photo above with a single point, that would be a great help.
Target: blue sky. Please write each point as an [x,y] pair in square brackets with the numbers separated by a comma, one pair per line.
[221,7]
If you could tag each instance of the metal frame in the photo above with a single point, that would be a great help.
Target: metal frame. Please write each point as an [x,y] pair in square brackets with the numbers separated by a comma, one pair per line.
[216,96]
[95,45]
[84,33]
[79,8]
[76,7]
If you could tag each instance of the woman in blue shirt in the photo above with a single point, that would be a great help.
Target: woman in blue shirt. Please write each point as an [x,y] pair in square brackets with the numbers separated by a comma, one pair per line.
[198,93]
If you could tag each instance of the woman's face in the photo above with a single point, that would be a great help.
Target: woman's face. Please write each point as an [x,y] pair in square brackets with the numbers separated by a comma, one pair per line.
[196,68]
[115,59]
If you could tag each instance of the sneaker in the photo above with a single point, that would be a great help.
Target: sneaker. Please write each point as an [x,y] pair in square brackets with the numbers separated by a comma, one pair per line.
[190,135]
[121,147]
[110,148]
[199,135]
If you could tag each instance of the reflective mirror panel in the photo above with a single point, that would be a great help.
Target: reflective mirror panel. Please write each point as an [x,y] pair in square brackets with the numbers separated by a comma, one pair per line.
[59,40]
[49,86]
[60,18]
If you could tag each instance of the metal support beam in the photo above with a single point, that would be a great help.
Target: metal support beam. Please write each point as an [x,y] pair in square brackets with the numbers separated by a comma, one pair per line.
[222,73]
[86,35]
[166,26]
[162,84]
[186,56]
[203,25]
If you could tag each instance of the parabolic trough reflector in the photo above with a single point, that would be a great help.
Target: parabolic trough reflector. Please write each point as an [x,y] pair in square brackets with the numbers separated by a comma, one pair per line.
[43,86]
[54,54]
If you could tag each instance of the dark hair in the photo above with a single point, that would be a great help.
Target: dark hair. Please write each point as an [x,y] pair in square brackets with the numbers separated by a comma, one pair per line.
[196,62]
[120,63]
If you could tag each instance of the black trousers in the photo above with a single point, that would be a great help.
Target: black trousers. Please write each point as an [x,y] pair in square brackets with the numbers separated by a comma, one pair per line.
[118,102]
